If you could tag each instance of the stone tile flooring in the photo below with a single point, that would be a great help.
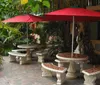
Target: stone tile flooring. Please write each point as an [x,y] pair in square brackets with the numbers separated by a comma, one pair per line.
[15,74]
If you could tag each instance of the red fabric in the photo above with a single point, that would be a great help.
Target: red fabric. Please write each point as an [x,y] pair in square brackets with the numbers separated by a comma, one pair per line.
[24,18]
[66,14]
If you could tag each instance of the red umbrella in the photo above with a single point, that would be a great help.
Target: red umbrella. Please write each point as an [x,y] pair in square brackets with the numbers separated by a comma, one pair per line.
[67,14]
[72,14]
[23,18]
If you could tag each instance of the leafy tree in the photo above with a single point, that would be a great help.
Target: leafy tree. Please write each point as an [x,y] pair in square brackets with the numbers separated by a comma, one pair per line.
[9,8]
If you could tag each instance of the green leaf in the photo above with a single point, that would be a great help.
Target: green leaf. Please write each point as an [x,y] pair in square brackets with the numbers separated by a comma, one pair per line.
[35,8]
[30,2]
[40,0]
[9,1]
[46,3]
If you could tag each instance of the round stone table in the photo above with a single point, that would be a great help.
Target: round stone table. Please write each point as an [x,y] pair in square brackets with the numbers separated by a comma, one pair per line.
[28,47]
[77,58]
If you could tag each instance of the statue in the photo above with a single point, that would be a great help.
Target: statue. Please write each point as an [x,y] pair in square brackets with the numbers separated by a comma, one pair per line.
[79,39]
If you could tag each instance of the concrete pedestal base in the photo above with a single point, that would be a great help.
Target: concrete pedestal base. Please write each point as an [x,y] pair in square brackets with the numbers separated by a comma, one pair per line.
[46,73]
[60,78]
[89,80]
[40,59]
[22,60]
[71,71]
[12,58]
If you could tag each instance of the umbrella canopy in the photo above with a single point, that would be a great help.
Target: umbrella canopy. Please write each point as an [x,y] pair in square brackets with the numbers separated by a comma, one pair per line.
[72,14]
[23,18]
[66,14]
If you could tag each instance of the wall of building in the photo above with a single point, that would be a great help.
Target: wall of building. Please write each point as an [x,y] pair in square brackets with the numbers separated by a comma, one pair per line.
[93,30]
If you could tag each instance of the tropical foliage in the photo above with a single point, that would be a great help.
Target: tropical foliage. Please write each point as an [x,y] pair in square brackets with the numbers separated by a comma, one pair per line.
[8,36]
[9,8]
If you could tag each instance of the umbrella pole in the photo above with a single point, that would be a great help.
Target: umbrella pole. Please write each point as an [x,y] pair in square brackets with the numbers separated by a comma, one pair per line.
[73,36]
[27,34]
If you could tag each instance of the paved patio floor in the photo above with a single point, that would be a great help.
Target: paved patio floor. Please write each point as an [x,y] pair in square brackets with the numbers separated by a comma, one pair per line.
[15,74]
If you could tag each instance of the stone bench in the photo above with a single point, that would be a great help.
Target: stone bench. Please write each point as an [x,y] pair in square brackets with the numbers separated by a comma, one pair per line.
[21,50]
[41,56]
[60,62]
[17,56]
[63,63]
[48,68]
[90,75]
